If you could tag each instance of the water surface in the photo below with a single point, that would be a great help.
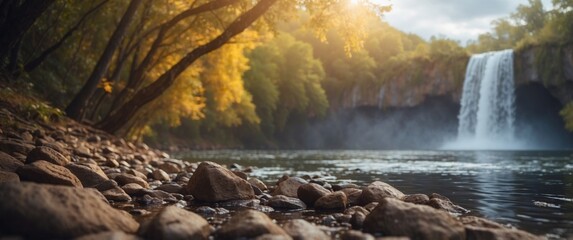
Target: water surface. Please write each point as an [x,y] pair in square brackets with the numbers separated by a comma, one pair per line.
[532,190]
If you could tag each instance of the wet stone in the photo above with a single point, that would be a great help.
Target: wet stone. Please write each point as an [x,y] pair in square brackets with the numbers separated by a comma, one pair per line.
[45,172]
[213,183]
[377,191]
[336,200]
[289,187]
[47,154]
[170,188]
[416,198]
[9,163]
[124,178]
[116,195]
[248,224]
[300,229]
[311,192]
[287,203]
[8,177]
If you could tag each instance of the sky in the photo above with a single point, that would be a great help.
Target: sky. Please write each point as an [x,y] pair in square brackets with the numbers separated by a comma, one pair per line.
[460,20]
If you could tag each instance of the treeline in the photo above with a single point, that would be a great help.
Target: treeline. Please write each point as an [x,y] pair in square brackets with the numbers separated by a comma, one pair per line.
[296,77]
[232,72]
[124,66]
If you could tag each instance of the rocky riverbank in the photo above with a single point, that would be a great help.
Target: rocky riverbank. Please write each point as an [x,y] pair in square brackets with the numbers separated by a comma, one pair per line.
[64,180]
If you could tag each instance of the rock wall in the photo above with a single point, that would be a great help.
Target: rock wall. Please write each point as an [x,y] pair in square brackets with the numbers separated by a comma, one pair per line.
[549,65]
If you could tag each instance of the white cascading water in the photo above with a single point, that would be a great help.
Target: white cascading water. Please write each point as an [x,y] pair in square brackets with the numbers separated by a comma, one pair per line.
[487,115]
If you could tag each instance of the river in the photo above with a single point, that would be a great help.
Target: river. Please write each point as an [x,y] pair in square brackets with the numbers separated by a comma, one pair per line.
[532,190]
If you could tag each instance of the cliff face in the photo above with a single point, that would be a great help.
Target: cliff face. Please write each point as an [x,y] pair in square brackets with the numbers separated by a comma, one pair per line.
[409,86]
[549,65]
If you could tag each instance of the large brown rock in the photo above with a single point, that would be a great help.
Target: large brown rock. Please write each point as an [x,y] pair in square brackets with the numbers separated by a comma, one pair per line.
[47,154]
[300,229]
[446,205]
[289,187]
[176,223]
[213,183]
[89,174]
[47,211]
[9,163]
[377,191]
[480,233]
[393,217]
[335,200]
[284,202]
[124,178]
[8,177]
[353,195]
[248,224]
[109,236]
[45,172]
[14,146]
[311,192]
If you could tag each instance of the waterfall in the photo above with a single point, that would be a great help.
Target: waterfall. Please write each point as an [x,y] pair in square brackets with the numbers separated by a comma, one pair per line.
[487,114]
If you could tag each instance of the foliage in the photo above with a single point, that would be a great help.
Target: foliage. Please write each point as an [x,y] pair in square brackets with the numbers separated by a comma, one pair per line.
[28,106]
[567,114]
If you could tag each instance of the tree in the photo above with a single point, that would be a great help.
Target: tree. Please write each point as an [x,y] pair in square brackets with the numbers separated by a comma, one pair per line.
[147,94]
[76,108]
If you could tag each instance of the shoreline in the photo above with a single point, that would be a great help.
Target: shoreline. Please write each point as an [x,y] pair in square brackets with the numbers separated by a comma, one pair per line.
[68,159]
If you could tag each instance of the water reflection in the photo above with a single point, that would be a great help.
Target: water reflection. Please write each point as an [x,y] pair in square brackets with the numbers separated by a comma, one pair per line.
[530,190]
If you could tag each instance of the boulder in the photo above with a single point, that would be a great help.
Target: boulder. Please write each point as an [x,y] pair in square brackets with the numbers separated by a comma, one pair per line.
[311,192]
[170,188]
[258,183]
[170,167]
[47,154]
[213,183]
[393,217]
[45,172]
[353,195]
[160,175]
[109,236]
[377,191]
[416,198]
[124,178]
[284,202]
[248,224]
[289,187]
[481,233]
[357,220]
[176,223]
[356,235]
[479,222]
[47,211]
[116,194]
[355,209]
[14,146]
[9,163]
[89,174]
[336,200]
[446,205]
[8,177]
[273,237]
[300,229]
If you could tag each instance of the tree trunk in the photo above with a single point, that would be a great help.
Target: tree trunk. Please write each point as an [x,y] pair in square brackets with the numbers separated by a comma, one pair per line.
[78,104]
[128,110]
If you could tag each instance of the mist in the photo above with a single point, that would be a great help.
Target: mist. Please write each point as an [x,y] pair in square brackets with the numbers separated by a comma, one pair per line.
[425,126]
